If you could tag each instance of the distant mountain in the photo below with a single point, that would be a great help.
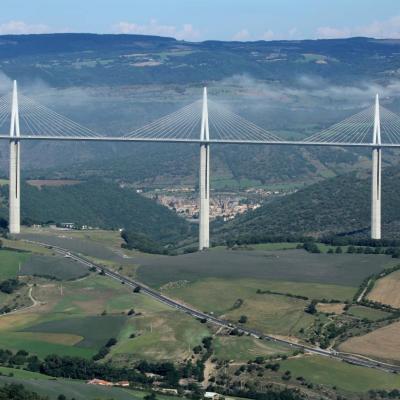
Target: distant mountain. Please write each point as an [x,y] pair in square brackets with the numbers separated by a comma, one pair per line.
[115,83]
[99,204]
[340,205]
[87,59]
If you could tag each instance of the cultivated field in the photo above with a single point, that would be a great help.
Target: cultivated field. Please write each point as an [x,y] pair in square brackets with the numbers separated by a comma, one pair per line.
[322,370]
[369,313]
[242,349]
[290,265]
[383,343]
[9,263]
[387,290]
[55,267]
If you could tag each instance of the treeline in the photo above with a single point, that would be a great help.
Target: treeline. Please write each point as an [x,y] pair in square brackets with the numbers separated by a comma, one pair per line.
[18,392]
[84,369]
[101,204]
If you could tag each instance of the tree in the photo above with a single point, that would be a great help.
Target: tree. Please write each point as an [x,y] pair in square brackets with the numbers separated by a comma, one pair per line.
[243,319]
[311,308]
[137,289]
[338,250]
[111,342]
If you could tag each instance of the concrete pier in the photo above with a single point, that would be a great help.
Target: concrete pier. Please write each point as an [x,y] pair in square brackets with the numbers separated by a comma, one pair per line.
[376,177]
[14,183]
[204,186]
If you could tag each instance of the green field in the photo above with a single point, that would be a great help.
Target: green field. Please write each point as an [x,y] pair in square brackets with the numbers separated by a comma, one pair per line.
[369,313]
[245,348]
[79,390]
[95,330]
[289,265]
[167,335]
[266,312]
[325,371]
[56,267]
[9,263]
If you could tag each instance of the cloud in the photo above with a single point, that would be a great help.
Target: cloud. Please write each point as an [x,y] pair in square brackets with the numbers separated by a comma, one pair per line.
[389,28]
[5,83]
[187,31]
[268,35]
[242,35]
[310,91]
[20,27]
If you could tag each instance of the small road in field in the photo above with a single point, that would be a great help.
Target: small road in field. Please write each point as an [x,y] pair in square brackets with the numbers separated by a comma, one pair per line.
[361,296]
[351,359]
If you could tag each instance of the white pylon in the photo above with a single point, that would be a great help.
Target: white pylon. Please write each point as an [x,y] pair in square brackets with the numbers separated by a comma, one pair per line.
[376,176]
[14,183]
[204,225]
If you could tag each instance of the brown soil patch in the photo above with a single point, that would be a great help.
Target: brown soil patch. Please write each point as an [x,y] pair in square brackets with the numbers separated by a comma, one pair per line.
[52,182]
[384,343]
[335,308]
[387,290]
[57,338]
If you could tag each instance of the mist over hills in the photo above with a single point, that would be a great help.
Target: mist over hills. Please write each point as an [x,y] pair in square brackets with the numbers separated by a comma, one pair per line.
[115,83]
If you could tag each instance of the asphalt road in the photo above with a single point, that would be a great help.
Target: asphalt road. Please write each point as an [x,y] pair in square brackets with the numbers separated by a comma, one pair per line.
[349,358]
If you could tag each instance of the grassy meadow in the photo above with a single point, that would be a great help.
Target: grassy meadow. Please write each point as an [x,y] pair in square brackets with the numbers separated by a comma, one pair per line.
[351,378]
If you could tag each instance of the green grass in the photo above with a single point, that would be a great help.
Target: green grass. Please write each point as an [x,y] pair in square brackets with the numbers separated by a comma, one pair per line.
[263,246]
[95,330]
[244,348]
[269,313]
[9,263]
[290,265]
[325,371]
[79,390]
[168,335]
[218,295]
[16,341]
[369,313]
[56,267]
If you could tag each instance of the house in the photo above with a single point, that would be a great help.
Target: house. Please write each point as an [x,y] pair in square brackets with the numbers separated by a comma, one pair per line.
[122,384]
[67,225]
[168,391]
[212,396]
[99,382]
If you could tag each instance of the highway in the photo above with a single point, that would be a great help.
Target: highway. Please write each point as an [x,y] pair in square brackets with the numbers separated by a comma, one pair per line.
[349,358]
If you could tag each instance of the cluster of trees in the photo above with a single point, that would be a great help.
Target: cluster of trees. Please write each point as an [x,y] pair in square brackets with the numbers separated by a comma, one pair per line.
[137,241]
[80,368]
[105,349]
[18,392]
[10,285]
[101,204]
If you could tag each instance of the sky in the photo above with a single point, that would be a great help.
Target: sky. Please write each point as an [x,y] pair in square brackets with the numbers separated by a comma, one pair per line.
[197,20]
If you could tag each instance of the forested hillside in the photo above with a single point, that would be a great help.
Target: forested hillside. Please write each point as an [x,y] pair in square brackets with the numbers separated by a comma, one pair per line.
[100,204]
[340,205]
[115,83]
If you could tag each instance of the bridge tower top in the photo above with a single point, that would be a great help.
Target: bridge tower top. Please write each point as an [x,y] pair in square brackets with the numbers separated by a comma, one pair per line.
[377,122]
[205,131]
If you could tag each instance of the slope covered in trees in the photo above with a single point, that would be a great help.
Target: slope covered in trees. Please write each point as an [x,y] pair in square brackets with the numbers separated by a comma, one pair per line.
[340,205]
[100,204]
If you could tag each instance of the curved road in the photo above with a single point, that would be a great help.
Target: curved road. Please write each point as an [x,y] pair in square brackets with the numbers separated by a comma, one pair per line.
[349,358]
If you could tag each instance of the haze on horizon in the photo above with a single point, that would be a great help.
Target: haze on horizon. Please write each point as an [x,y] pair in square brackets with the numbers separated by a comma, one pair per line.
[197,20]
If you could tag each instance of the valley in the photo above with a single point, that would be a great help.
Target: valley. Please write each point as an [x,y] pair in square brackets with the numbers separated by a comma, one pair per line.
[271,297]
